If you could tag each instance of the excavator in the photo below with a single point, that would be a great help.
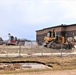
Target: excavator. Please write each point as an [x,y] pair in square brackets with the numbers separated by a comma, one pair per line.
[54,41]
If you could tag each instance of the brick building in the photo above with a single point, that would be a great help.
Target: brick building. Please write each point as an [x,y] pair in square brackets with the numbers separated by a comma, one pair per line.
[64,30]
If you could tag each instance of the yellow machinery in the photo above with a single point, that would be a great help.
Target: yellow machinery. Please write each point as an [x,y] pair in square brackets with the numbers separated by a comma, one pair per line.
[52,39]
[52,36]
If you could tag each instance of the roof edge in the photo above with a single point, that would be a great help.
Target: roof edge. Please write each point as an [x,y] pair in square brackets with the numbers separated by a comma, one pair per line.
[62,25]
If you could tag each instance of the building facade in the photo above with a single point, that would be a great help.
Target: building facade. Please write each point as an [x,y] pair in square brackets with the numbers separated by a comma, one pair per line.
[64,30]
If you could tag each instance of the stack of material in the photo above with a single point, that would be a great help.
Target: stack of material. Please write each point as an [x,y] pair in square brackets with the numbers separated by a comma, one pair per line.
[31,44]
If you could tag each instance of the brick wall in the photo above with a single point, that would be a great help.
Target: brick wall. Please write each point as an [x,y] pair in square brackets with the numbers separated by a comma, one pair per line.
[61,30]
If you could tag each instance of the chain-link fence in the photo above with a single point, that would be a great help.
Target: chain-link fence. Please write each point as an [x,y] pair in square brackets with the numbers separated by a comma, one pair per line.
[32,50]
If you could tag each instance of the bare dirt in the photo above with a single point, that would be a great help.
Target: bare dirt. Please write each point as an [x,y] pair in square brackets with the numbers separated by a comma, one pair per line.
[27,49]
[62,72]
[60,64]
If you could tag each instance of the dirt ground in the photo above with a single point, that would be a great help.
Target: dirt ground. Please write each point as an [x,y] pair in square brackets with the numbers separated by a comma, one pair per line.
[61,72]
[60,63]
[29,50]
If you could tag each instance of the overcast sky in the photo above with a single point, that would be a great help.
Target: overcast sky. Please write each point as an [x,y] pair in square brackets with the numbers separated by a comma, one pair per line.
[22,18]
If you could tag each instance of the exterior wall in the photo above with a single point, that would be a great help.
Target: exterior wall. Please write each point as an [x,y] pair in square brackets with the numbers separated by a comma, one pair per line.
[71,28]
[66,31]
[71,31]
[40,38]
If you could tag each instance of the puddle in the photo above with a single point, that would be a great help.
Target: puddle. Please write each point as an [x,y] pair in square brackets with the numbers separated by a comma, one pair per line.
[33,65]
[23,65]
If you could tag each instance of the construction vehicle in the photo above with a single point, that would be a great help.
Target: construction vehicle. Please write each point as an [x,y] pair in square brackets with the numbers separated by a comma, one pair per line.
[52,40]
[12,40]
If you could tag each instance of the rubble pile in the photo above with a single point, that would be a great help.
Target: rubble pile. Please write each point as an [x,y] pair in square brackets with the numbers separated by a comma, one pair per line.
[9,66]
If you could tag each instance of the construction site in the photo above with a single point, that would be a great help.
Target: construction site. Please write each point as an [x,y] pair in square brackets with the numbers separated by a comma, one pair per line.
[54,49]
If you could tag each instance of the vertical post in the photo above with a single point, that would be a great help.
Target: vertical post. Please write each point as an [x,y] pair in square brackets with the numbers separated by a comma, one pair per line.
[20,50]
[66,38]
[73,41]
[42,53]
[61,49]
[7,53]
[73,37]
[31,48]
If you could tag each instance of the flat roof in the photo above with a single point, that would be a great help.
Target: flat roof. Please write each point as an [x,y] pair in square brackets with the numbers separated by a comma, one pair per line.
[62,25]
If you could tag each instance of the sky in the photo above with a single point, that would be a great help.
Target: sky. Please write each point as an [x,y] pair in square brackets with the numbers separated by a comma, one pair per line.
[21,18]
